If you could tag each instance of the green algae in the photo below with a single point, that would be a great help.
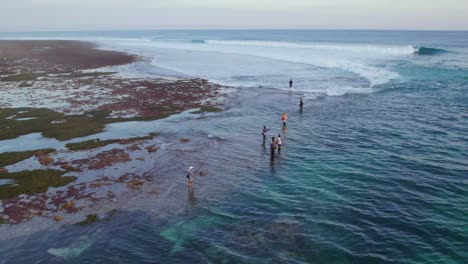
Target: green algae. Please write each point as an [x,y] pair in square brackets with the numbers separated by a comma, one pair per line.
[9,158]
[96,143]
[45,121]
[90,219]
[33,182]
[2,221]
[90,144]
[57,125]
[87,74]
[207,109]
[22,77]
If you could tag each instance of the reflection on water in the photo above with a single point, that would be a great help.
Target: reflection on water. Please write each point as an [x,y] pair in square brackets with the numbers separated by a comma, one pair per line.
[191,197]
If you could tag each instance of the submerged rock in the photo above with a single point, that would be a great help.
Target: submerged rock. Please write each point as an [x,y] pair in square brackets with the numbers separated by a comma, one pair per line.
[58,218]
[92,218]
[135,184]
[69,206]
[152,149]
[45,160]
[3,170]
[75,250]
[69,167]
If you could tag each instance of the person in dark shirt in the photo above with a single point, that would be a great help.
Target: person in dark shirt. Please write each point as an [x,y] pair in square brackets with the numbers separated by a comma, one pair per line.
[264,131]
[273,147]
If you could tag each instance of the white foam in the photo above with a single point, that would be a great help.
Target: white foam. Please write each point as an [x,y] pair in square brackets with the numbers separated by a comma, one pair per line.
[361,59]
[217,60]
[73,251]
[379,49]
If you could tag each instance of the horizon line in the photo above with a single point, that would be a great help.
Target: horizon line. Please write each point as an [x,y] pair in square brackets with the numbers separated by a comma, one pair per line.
[229,29]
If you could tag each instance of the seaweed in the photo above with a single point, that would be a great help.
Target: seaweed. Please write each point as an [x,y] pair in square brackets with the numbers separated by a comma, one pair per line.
[96,143]
[33,182]
[9,158]
[90,219]
[22,77]
[207,109]
[69,127]
[87,74]
[90,144]
[72,126]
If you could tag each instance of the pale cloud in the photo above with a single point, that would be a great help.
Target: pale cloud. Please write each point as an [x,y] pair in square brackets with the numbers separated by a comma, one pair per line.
[32,15]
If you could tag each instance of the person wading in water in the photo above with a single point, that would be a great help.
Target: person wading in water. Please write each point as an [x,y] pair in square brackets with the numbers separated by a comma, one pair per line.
[290,83]
[190,177]
[272,148]
[284,118]
[264,131]
[279,142]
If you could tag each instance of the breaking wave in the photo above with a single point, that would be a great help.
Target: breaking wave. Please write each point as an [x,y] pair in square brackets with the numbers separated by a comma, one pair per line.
[381,49]
[429,51]
[198,41]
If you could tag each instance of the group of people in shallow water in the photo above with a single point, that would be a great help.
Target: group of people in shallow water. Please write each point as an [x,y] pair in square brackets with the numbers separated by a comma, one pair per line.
[275,144]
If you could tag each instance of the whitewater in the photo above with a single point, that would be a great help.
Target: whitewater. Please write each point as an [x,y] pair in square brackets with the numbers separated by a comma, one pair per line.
[262,63]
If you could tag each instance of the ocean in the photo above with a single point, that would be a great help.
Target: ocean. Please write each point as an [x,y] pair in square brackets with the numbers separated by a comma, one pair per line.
[374,168]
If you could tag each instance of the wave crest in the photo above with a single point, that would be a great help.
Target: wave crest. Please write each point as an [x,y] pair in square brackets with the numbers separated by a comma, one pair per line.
[380,49]
[198,41]
[429,51]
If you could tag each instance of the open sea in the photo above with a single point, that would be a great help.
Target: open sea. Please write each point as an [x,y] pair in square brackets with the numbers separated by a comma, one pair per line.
[374,169]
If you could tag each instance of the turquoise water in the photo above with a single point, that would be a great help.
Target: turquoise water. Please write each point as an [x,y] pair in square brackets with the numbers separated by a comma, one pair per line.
[373,170]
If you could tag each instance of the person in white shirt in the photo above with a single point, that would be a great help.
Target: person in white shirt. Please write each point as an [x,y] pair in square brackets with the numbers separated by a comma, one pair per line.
[279,142]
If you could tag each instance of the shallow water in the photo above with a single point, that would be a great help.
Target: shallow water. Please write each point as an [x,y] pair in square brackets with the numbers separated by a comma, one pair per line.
[373,177]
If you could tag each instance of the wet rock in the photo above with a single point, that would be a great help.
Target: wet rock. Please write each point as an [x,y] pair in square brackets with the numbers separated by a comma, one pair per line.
[104,159]
[92,218]
[45,160]
[140,158]
[69,206]
[3,170]
[184,140]
[58,218]
[39,154]
[134,147]
[152,149]
[69,167]
[135,184]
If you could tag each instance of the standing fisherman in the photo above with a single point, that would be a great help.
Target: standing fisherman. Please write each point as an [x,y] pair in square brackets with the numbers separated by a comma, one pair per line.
[273,148]
[301,104]
[290,83]
[264,131]
[190,177]
[284,118]
[279,142]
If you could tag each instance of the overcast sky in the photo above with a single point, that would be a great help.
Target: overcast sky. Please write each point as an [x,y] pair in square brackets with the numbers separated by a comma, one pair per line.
[52,15]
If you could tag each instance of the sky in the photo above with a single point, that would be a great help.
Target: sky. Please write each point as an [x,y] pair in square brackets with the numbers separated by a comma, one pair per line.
[71,15]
